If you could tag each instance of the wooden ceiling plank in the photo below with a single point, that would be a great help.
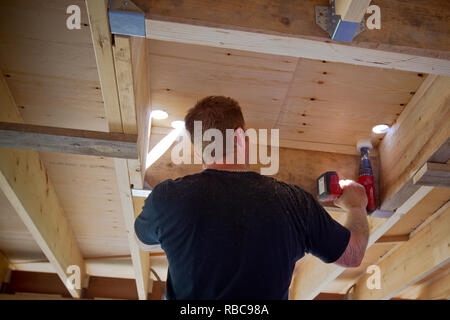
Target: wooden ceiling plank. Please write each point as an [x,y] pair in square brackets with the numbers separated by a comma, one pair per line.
[412,261]
[116,76]
[289,28]
[24,181]
[63,140]
[332,93]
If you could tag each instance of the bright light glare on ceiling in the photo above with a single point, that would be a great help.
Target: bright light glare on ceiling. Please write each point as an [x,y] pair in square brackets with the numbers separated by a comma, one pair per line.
[159,114]
[162,146]
[178,124]
[381,128]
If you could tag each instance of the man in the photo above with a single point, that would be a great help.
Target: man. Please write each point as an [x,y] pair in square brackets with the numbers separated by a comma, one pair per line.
[234,234]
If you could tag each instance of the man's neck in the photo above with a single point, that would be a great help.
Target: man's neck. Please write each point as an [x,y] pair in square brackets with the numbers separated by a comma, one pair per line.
[227,167]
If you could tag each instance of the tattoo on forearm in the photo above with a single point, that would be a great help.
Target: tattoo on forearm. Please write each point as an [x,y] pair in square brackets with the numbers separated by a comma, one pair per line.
[356,249]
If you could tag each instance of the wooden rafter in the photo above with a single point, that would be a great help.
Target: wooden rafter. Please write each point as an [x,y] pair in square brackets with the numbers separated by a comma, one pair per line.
[102,41]
[424,253]
[122,91]
[25,183]
[140,259]
[131,72]
[288,28]
[421,131]
[51,139]
[433,174]
[436,289]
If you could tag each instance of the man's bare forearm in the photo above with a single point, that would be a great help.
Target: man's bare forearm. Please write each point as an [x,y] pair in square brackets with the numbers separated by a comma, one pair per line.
[358,225]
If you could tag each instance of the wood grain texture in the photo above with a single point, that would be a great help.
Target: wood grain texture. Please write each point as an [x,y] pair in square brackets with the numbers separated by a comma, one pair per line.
[101,39]
[125,90]
[130,59]
[408,24]
[141,82]
[288,28]
[315,105]
[25,183]
[116,76]
[411,261]
[87,188]
[438,289]
[50,70]
[433,174]
[84,142]
[420,131]
[352,10]
[129,173]
[16,242]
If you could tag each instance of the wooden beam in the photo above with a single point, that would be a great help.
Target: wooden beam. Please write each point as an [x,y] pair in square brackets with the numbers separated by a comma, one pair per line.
[141,81]
[91,143]
[352,10]
[129,173]
[140,259]
[433,174]
[4,265]
[425,252]
[314,276]
[25,183]
[102,41]
[131,71]
[115,67]
[438,289]
[43,285]
[421,131]
[288,28]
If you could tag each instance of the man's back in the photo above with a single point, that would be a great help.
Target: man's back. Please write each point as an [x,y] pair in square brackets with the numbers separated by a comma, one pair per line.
[236,235]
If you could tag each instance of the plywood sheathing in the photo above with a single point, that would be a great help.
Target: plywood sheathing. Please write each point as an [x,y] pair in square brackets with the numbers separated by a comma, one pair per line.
[314,102]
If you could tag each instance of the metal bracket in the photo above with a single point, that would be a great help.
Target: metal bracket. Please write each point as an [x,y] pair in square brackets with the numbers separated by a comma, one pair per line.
[338,29]
[125,18]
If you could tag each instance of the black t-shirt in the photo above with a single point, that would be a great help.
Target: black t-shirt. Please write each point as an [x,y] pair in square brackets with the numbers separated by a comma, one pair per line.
[236,235]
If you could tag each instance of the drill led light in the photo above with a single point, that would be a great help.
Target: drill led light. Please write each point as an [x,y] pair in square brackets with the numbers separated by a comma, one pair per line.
[344,183]
[381,128]
[159,114]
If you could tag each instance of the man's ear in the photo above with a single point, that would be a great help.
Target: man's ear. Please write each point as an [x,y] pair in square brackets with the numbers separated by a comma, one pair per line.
[239,133]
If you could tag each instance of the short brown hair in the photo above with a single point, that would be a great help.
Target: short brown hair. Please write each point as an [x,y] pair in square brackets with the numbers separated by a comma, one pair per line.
[215,112]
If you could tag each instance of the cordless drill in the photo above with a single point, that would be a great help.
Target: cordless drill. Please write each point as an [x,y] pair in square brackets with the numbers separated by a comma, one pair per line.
[329,189]
[366,174]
